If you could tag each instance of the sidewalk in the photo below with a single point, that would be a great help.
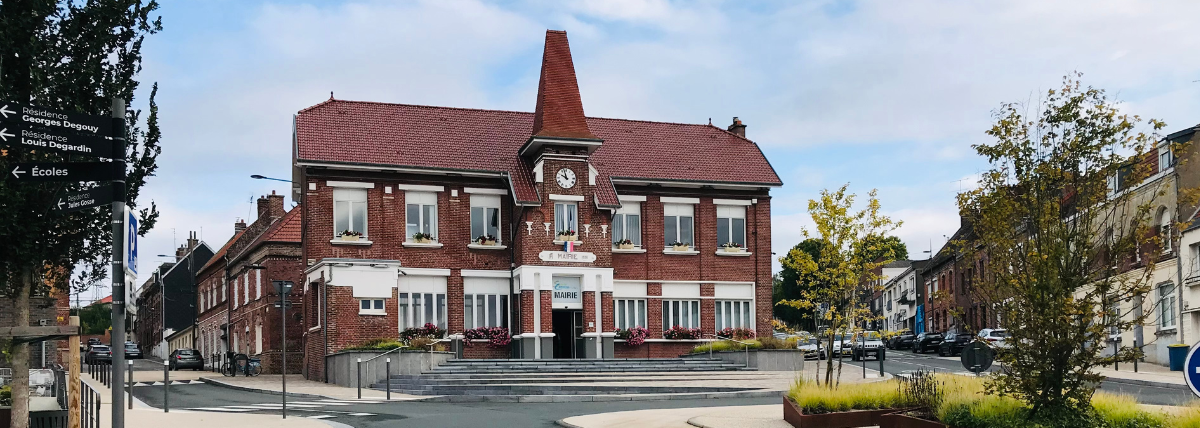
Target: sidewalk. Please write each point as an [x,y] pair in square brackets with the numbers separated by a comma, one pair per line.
[299,386]
[1147,374]
[765,416]
[144,416]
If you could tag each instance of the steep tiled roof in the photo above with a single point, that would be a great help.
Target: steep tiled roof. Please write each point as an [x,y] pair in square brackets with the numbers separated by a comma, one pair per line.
[219,257]
[286,229]
[559,111]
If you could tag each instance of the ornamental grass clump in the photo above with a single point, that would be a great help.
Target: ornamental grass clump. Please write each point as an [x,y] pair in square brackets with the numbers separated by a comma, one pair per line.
[726,346]
[379,344]
[816,398]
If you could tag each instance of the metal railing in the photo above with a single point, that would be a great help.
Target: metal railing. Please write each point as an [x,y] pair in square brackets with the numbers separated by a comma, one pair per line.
[89,406]
[745,346]
[387,379]
[101,372]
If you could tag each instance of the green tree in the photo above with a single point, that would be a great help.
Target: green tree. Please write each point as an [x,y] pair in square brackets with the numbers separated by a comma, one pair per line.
[95,319]
[888,248]
[792,283]
[74,56]
[841,271]
[1056,242]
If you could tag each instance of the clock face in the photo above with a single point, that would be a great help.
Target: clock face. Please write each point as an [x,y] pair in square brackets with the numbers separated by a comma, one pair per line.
[565,178]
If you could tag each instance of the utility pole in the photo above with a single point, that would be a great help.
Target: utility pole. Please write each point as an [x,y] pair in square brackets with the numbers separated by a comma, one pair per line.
[118,265]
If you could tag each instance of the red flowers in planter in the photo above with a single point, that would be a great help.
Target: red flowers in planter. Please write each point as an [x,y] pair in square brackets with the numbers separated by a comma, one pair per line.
[678,332]
[634,336]
[736,333]
[429,330]
[497,337]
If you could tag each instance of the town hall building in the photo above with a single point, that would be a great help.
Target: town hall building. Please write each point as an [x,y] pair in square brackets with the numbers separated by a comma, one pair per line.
[562,228]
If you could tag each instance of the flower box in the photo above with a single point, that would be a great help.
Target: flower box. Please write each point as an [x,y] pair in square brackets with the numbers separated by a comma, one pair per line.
[681,248]
[422,240]
[795,416]
[350,238]
[733,250]
[491,243]
[565,237]
[625,246]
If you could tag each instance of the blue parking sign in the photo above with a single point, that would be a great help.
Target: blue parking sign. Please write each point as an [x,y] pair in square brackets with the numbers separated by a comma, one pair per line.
[131,238]
[1191,369]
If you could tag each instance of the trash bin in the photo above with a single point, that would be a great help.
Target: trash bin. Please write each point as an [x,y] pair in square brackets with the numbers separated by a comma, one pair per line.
[1177,353]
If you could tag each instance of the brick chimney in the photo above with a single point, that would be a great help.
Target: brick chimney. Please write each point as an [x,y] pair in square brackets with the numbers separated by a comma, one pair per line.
[192,241]
[270,206]
[738,127]
[239,226]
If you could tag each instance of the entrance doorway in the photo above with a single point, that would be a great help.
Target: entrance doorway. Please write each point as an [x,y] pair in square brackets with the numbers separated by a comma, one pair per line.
[568,333]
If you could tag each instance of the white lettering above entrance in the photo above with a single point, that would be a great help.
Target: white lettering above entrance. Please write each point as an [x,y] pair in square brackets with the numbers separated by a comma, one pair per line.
[567,293]
[563,256]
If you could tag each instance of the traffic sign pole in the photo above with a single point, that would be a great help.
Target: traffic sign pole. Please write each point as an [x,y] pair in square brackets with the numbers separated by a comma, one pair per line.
[118,265]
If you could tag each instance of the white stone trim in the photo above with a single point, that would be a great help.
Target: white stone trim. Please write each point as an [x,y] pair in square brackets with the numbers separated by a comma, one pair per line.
[358,242]
[420,188]
[537,171]
[632,198]
[743,202]
[592,174]
[419,245]
[571,198]
[647,281]
[723,253]
[424,272]
[486,247]
[669,251]
[634,250]
[350,184]
[481,273]
[674,200]
[483,191]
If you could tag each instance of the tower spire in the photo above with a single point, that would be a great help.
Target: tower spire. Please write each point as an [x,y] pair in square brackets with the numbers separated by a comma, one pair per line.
[559,111]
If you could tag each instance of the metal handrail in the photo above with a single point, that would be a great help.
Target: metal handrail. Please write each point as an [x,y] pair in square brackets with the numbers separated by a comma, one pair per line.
[385,353]
[745,345]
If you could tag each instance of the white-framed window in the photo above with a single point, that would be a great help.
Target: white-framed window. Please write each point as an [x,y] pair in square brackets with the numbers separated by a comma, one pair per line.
[731,224]
[349,211]
[566,217]
[417,309]
[1166,305]
[485,310]
[1164,226]
[257,284]
[203,307]
[677,223]
[683,313]
[733,314]
[246,284]
[485,216]
[224,291]
[258,337]
[421,214]
[627,223]
[1164,158]
[630,313]
[371,307]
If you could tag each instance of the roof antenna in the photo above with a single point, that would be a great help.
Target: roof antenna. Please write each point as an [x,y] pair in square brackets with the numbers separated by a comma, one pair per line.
[710,121]
[331,95]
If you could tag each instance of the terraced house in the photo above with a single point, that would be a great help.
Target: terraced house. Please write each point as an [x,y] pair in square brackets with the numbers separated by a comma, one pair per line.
[561,228]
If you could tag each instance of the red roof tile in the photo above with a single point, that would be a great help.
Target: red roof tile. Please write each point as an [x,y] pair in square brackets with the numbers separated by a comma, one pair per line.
[219,257]
[559,111]
[287,229]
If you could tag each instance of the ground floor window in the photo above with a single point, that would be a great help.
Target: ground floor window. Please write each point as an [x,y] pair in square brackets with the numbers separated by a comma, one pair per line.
[371,307]
[485,310]
[418,309]
[630,313]
[683,313]
[733,314]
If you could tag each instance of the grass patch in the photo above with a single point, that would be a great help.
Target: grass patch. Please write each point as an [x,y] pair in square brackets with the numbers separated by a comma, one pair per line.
[726,345]
[815,398]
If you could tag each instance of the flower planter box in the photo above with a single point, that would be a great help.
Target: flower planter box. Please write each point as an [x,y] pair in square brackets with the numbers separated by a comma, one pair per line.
[898,420]
[491,243]
[681,248]
[350,238]
[625,246]
[795,416]
[564,238]
[423,240]
[734,249]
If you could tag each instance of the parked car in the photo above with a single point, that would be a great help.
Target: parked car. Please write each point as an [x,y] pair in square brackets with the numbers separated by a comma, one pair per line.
[997,337]
[185,359]
[926,341]
[812,347]
[953,344]
[902,340]
[865,344]
[839,342]
[98,354]
[132,351]
[94,341]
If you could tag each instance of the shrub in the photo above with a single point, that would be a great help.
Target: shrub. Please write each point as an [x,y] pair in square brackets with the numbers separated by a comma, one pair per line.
[428,330]
[633,336]
[771,342]
[725,345]
[678,332]
[6,396]
[380,344]
[425,343]
[497,337]
[736,333]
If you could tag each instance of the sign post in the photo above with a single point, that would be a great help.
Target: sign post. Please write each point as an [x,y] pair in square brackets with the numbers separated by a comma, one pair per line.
[1191,369]
[977,357]
[283,288]
[120,257]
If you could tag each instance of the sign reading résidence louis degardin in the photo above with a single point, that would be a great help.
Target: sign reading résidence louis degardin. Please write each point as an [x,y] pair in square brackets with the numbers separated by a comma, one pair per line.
[563,256]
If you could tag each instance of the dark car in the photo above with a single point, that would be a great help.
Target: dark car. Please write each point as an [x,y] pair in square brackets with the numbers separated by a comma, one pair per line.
[185,359]
[926,342]
[98,354]
[954,344]
[132,351]
[94,341]
[903,340]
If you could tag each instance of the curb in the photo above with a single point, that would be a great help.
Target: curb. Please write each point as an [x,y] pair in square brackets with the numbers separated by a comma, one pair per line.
[597,398]
[215,382]
[1140,382]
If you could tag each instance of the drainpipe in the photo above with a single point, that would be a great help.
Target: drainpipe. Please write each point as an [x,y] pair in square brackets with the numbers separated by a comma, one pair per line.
[1178,261]
[514,316]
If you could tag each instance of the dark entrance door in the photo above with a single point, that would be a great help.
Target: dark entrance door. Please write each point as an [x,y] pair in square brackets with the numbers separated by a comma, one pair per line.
[568,327]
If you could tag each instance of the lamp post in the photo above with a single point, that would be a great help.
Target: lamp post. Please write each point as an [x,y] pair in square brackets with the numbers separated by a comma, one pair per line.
[283,288]
[260,177]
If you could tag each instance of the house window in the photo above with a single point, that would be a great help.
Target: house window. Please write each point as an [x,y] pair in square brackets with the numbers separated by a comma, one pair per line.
[627,223]
[485,310]
[733,314]
[677,223]
[418,309]
[683,313]
[1164,159]
[422,214]
[731,225]
[1164,225]
[257,284]
[371,307]
[1114,330]
[485,216]
[566,217]
[349,211]
[1166,305]
[630,313]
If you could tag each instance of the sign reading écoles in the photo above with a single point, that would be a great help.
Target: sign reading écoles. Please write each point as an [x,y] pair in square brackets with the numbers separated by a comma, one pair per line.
[567,293]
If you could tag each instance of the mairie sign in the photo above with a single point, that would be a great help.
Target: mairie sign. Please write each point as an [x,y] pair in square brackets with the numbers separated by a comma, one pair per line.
[563,256]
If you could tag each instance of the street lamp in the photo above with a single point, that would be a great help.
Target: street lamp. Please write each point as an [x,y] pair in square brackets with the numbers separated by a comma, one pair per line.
[283,288]
[260,177]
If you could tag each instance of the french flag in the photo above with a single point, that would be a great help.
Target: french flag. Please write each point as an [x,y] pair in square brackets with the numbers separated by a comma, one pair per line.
[569,246]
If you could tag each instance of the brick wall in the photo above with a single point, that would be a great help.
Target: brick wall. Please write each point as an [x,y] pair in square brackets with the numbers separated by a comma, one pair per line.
[653,349]
[482,350]
[39,308]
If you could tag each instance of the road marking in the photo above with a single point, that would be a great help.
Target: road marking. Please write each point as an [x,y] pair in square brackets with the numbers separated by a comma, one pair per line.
[277,406]
[221,409]
[362,414]
[323,403]
[322,417]
[351,401]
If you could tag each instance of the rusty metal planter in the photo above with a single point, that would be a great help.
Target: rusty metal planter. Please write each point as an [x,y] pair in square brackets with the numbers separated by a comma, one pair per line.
[852,419]
[899,420]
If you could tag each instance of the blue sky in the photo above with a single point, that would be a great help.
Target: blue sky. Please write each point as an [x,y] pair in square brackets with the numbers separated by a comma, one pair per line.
[880,94]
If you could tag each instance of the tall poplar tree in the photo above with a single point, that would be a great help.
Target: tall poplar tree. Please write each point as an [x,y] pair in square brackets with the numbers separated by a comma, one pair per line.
[75,56]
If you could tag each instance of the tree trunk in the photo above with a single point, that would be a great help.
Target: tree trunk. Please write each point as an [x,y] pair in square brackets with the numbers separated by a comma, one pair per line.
[20,355]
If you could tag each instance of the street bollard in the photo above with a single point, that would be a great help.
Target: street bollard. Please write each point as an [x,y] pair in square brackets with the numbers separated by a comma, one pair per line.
[166,386]
[388,379]
[358,376]
[880,357]
[129,387]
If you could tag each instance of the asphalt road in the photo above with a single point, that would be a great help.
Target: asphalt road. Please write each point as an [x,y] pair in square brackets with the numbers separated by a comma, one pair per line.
[898,362]
[368,414]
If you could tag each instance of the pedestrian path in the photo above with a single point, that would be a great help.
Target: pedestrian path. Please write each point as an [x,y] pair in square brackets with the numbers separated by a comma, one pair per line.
[312,409]
[173,383]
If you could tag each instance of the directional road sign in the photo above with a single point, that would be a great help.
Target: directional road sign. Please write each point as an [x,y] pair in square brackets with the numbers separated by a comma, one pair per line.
[52,171]
[87,124]
[90,198]
[1191,369]
[22,135]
